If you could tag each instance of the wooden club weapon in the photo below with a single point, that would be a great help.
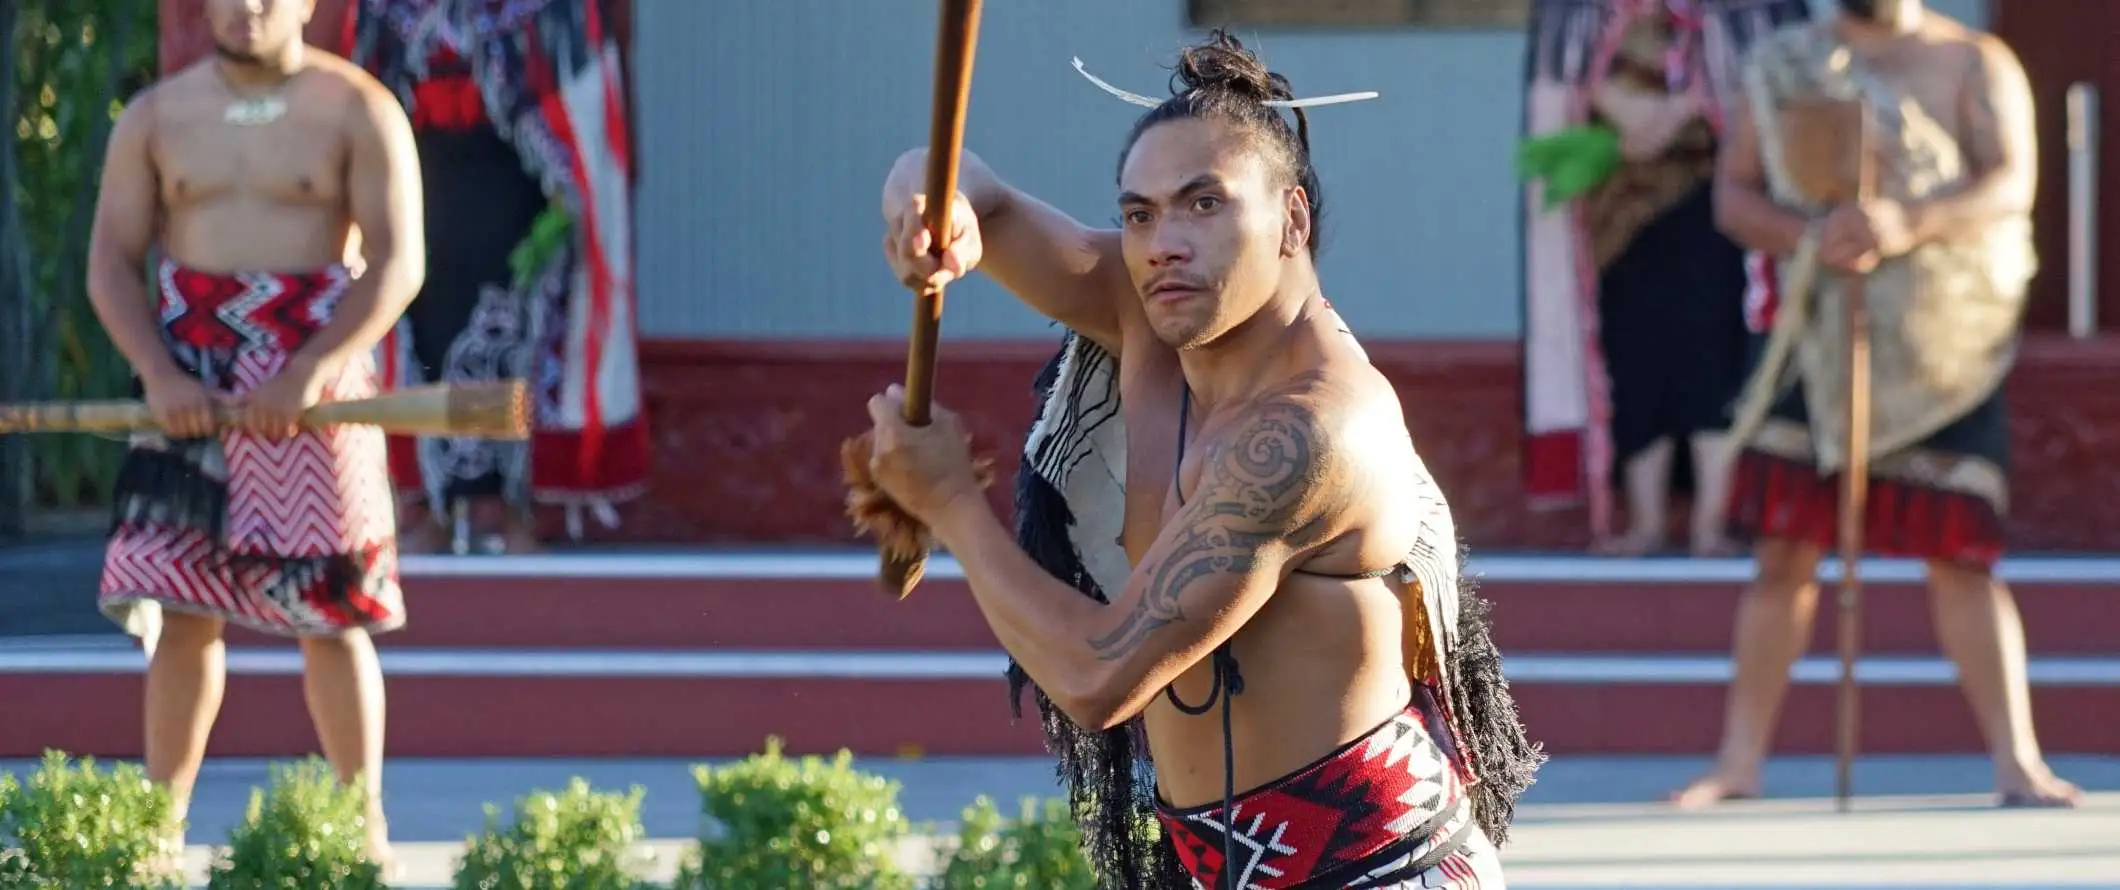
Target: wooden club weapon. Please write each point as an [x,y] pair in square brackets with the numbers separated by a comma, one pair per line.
[902,541]
[495,410]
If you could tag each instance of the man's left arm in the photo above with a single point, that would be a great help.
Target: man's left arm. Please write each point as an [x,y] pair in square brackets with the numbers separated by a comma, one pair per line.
[2001,149]
[1271,492]
[385,195]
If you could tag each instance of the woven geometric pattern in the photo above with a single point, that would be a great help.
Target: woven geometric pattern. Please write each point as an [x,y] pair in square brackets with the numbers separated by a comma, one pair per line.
[309,543]
[1330,818]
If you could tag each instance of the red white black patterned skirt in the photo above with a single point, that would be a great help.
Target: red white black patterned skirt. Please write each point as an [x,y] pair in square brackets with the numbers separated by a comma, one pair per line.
[294,536]
[1386,811]
[1941,499]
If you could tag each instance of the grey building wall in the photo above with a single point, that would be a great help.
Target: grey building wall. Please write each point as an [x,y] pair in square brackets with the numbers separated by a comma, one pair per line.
[767,126]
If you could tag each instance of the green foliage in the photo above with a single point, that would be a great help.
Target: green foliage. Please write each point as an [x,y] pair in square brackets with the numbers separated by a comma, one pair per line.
[74,825]
[812,823]
[577,839]
[1040,850]
[74,64]
[306,830]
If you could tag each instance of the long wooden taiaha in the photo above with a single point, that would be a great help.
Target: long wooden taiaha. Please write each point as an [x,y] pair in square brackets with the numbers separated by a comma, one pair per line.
[1854,492]
[956,44]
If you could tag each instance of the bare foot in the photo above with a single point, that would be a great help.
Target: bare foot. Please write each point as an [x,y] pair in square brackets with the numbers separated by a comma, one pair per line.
[421,536]
[2038,788]
[1708,538]
[521,538]
[1715,545]
[1714,788]
[167,862]
[381,853]
[1636,542]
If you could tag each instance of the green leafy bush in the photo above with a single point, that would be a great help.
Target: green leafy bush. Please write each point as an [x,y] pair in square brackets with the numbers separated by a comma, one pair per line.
[1040,850]
[306,830]
[577,839]
[74,825]
[811,824]
[14,869]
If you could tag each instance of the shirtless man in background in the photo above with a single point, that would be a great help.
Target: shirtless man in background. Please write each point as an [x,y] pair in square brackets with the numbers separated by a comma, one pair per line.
[238,185]
[1945,250]
[1277,516]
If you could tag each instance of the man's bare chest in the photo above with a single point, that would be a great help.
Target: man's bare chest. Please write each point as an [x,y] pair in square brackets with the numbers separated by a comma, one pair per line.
[1932,79]
[201,157]
[1151,403]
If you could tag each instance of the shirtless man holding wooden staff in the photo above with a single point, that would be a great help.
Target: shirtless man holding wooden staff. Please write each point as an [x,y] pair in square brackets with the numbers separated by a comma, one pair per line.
[248,174]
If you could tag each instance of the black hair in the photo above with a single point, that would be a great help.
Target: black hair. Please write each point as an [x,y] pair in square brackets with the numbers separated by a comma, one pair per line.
[1221,80]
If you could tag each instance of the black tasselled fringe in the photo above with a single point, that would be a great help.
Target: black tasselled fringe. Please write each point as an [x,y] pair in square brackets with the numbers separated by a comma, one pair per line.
[1042,521]
[1110,784]
[169,487]
[1504,759]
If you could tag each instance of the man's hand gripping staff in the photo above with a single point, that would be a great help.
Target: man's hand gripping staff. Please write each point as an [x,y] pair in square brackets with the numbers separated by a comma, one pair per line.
[902,540]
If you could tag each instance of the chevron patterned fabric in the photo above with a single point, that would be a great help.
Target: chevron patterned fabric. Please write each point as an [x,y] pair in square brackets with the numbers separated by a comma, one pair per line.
[294,536]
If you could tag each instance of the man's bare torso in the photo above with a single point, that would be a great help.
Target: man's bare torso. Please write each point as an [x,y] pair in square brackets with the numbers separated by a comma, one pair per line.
[1321,661]
[1938,66]
[268,197]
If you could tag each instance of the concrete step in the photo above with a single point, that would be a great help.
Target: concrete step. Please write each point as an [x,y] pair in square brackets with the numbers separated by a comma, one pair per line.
[828,600]
[86,697]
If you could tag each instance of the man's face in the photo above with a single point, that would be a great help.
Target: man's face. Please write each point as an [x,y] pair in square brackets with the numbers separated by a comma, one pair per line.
[1207,228]
[251,30]
[1889,13]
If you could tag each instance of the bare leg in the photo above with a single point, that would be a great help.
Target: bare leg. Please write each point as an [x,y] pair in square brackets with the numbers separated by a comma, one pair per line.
[1713,461]
[185,679]
[419,531]
[497,527]
[1647,478]
[344,685]
[1978,626]
[1773,629]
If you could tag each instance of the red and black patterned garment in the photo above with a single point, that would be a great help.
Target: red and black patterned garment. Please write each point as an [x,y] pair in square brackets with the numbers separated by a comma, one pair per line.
[291,536]
[1385,812]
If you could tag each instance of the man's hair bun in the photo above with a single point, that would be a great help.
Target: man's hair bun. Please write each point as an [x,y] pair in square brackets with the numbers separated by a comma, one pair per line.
[1222,64]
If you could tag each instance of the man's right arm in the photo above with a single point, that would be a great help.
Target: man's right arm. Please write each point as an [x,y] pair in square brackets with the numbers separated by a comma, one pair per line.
[1068,272]
[1743,209]
[126,210]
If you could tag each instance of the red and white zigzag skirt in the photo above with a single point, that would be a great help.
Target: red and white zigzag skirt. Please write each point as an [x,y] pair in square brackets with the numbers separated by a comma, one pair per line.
[295,536]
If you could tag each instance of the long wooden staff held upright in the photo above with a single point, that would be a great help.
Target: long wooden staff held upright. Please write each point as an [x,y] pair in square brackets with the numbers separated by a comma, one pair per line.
[1855,487]
[901,540]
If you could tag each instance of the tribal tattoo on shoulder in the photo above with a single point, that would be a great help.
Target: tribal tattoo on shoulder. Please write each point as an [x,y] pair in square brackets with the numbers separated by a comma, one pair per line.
[1261,488]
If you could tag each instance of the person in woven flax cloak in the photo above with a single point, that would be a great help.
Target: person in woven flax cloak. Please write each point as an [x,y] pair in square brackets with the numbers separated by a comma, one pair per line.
[1944,250]
[1228,555]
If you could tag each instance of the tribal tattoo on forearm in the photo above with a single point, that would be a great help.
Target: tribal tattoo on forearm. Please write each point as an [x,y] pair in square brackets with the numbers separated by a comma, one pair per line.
[1258,486]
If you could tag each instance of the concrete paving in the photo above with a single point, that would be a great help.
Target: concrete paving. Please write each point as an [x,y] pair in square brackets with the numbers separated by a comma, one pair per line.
[1591,822]
[48,586]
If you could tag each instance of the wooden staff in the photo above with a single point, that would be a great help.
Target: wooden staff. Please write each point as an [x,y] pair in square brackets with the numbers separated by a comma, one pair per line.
[485,410]
[955,45]
[1855,487]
